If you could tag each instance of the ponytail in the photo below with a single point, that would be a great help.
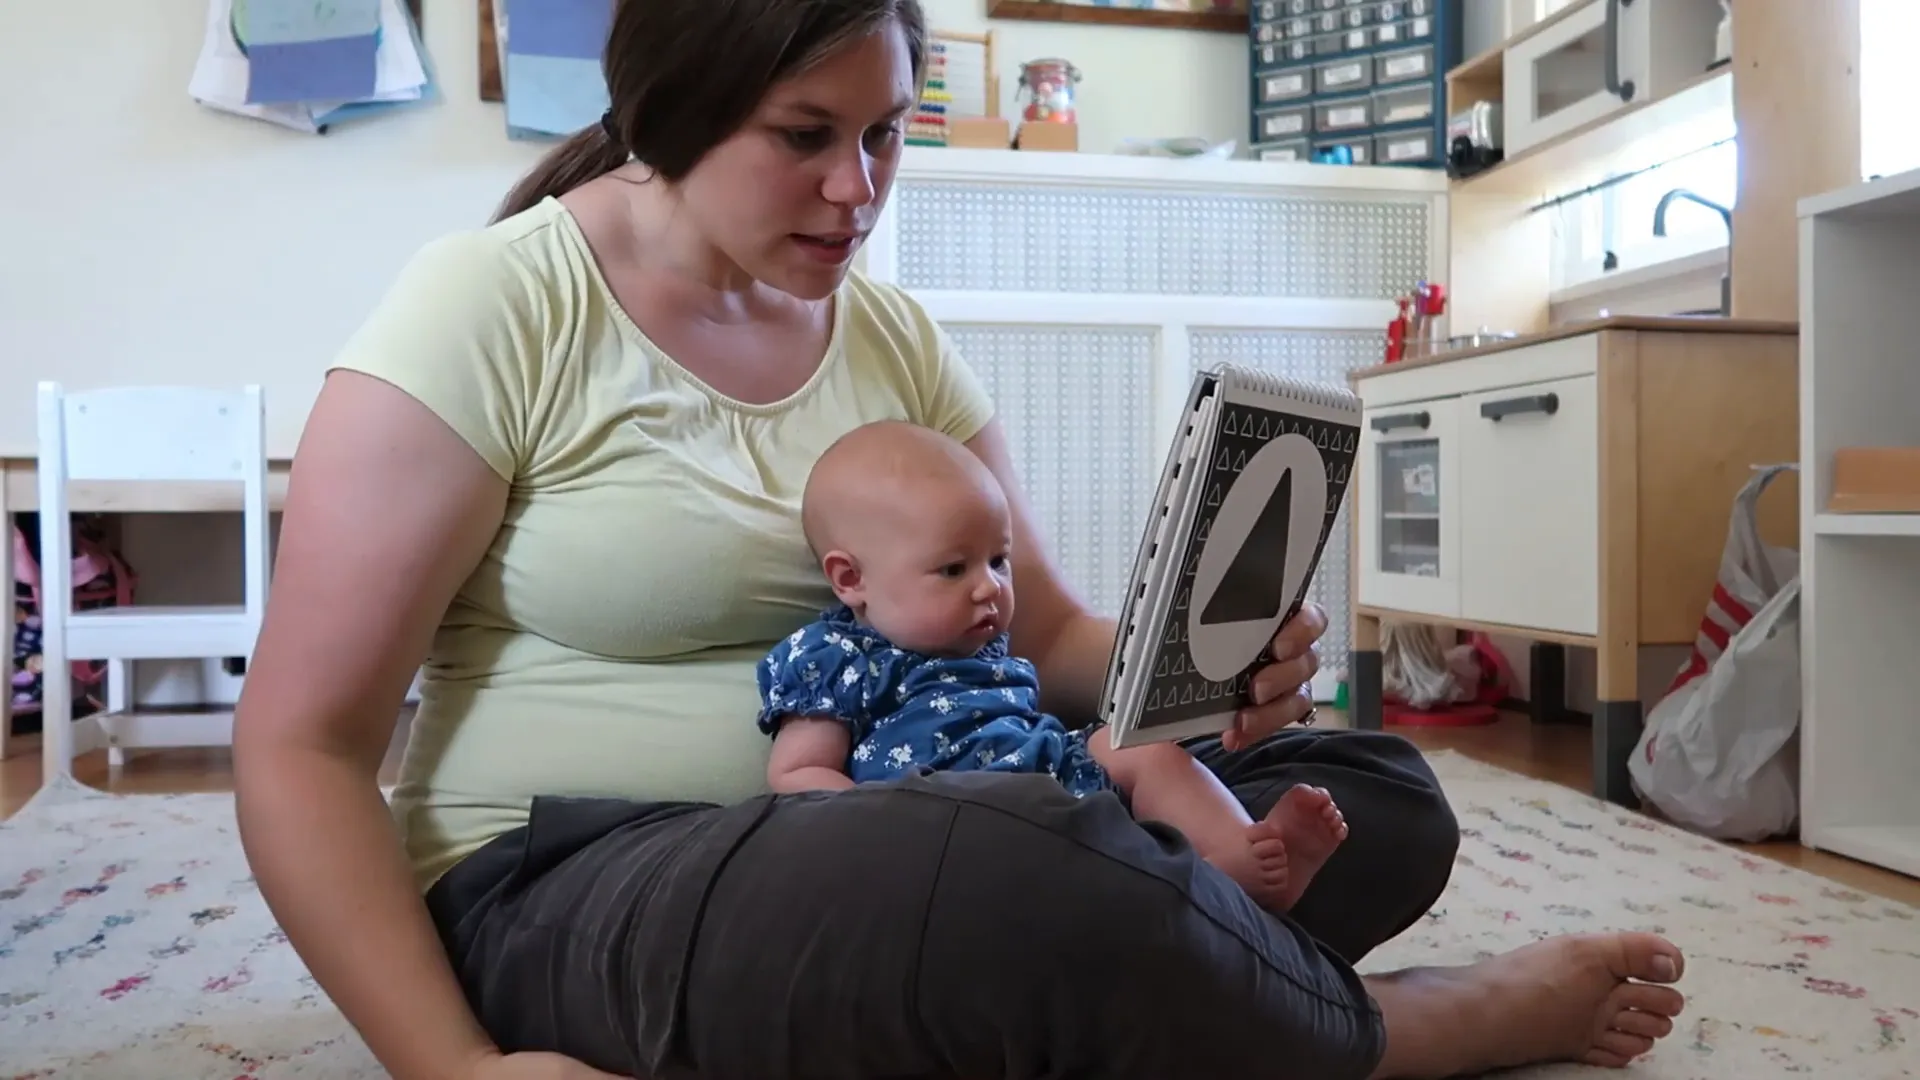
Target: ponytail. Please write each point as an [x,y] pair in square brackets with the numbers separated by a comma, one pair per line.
[589,153]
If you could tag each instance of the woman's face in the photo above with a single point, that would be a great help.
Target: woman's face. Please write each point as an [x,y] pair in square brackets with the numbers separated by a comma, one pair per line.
[790,197]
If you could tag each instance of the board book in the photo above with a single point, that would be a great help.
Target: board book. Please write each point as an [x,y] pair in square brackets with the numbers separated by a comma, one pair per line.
[1252,485]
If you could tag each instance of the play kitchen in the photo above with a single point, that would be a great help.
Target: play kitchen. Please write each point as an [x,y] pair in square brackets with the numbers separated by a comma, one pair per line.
[1579,64]
[1568,488]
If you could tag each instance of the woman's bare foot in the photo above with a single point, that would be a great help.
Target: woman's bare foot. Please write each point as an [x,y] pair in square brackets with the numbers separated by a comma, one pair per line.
[1312,827]
[1593,999]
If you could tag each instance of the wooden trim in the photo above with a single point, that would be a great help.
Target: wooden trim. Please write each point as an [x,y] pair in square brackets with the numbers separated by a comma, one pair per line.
[1617,663]
[1420,618]
[1797,105]
[1679,323]
[492,86]
[1033,11]
[19,493]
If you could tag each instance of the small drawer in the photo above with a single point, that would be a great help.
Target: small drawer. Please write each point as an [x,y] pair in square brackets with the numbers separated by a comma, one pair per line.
[1403,104]
[1344,151]
[1266,33]
[1299,7]
[1404,32]
[1267,11]
[1343,76]
[1403,65]
[1387,11]
[1353,17]
[1274,125]
[1299,28]
[1415,147]
[1329,22]
[1289,150]
[1286,85]
[1342,114]
[1327,5]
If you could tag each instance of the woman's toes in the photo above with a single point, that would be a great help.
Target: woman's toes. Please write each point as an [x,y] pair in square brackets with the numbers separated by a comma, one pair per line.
[1650,1025]
[1651,958]
[1662,1001]
[1622,1045]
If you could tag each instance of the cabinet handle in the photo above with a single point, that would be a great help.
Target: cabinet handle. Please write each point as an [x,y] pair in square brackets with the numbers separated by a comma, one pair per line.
[1618,87]
[1540,403]
[1421,420]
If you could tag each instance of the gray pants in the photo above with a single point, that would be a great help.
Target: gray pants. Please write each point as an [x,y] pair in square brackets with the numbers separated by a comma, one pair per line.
[961,927]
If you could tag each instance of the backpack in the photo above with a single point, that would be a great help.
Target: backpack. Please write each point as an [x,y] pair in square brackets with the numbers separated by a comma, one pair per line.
[100,579]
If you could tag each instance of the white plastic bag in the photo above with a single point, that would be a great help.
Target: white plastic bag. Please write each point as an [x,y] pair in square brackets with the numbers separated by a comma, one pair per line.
[1719,754]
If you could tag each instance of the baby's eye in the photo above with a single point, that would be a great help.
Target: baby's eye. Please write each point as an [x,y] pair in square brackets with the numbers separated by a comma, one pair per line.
[999,562]
[954,569]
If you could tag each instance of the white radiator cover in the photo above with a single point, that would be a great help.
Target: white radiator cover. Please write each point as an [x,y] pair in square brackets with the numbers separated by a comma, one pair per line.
[1086,289]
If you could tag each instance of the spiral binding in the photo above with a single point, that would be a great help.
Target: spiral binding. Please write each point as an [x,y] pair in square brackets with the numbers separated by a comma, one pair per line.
[1325,395]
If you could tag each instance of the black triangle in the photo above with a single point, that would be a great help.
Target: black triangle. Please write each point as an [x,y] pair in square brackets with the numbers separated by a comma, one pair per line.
[1249,590]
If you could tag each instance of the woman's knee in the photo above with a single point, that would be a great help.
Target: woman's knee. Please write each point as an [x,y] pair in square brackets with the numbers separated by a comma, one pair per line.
[1066,939]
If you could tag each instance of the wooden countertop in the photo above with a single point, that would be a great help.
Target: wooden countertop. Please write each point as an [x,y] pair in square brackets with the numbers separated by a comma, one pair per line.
[1681,324]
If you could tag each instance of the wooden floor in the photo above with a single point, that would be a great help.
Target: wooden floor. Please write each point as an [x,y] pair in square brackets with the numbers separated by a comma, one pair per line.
[1555,753]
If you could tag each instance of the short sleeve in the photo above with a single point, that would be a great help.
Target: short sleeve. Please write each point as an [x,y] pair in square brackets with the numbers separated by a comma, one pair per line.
[460,330]
[957,401]
[816,671]
[952,399]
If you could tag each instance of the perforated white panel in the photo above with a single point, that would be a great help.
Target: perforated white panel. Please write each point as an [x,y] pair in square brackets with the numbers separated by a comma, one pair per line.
[1320,357]
[1044,239]
[1077,404]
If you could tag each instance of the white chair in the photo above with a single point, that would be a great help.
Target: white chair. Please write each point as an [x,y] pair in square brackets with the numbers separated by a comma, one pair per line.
[142,435]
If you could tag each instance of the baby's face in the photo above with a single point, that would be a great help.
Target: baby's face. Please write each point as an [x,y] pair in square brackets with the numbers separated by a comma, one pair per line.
[940,581]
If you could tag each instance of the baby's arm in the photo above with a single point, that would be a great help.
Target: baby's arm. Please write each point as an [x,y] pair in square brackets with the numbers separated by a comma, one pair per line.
[810,754]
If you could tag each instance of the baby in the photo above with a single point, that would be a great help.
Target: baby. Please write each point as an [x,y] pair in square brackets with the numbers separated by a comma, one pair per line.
[910,670]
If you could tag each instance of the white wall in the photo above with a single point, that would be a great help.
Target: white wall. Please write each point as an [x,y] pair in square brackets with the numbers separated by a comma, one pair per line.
[146,237]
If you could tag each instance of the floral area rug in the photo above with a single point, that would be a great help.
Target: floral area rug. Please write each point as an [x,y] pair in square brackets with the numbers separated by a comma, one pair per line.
[134,943]
[1788,974]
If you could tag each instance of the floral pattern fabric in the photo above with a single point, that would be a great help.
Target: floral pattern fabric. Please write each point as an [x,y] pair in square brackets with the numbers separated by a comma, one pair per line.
[133,941]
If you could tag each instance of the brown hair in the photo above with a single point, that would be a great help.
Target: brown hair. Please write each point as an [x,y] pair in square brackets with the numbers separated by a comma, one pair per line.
[684,75]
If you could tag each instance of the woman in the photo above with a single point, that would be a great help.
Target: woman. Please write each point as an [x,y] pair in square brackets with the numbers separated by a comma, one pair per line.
[561,465]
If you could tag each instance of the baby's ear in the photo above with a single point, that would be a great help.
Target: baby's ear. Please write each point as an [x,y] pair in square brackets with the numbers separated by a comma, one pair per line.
[844,575]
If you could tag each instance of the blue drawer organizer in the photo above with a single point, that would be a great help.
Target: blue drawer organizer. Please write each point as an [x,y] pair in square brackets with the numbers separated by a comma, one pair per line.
[1353,82]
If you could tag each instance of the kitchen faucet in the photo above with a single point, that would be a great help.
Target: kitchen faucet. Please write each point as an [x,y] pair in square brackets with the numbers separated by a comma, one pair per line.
[1726,215]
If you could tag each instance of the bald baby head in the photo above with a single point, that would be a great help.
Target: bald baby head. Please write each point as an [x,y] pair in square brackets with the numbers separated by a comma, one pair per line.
[913,531]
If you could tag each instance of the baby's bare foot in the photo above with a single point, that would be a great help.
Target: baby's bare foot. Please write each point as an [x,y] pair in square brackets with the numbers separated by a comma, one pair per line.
[1596,999]
[1312,827]
[1259,865]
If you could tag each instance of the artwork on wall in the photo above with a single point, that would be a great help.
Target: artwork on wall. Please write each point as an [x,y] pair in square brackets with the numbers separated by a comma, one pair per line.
[1226,16]
[541,58]
[308,67]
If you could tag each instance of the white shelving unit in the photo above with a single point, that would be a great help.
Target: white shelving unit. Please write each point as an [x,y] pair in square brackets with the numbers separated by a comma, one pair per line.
[1860,613]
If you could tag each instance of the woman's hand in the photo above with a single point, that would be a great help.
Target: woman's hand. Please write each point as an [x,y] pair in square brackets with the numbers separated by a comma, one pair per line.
[535,1066]
[1280,691]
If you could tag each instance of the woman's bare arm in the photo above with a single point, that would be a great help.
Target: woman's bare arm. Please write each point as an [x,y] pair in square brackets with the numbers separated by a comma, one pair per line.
[387,513]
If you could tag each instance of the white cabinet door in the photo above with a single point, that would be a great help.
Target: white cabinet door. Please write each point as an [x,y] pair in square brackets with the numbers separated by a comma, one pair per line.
[1408,494]
[1529,509]
[1595,60]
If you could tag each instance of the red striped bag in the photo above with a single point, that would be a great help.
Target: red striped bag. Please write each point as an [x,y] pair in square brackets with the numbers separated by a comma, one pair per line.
[1716,755]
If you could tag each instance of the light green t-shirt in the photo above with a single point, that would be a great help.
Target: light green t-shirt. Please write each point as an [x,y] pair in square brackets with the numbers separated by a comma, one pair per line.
[651,551]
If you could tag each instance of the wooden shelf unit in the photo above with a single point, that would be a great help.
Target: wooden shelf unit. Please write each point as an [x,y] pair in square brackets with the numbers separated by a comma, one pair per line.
[1860,572]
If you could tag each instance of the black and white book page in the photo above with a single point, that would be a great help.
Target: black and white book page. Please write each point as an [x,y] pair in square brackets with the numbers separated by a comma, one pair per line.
[1267,498]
